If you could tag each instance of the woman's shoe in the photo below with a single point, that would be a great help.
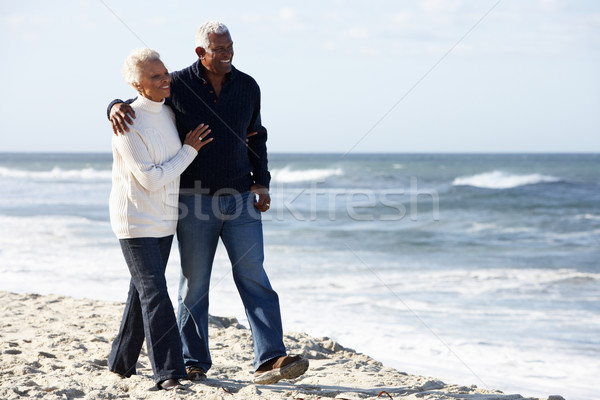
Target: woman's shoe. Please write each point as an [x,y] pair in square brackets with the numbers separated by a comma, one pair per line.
[171,384]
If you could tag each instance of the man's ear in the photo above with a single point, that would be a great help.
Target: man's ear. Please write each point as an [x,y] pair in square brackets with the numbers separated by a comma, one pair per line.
[200,52]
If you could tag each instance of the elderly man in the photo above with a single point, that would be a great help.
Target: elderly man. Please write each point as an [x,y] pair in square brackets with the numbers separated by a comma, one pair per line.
[222,195]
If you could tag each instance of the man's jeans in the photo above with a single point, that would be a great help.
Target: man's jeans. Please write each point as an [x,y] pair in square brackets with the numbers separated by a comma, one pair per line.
[233,218]
[148,313]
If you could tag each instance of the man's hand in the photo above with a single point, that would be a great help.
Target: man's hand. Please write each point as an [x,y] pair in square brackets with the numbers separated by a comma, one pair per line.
[248,136]
[120,117]
[264,199]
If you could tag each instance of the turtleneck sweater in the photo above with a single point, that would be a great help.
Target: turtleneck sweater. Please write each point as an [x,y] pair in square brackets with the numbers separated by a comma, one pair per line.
[147,163]
[233,162]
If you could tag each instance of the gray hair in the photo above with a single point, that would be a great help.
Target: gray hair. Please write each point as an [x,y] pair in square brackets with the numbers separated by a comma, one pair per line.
[206,29]
[131,70]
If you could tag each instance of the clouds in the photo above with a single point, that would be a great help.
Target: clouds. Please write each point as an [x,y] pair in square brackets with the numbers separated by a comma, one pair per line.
[284,20]
[336,66]
[25,27]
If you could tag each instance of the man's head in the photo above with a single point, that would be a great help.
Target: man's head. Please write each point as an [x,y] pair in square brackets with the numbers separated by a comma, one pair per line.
[214,47]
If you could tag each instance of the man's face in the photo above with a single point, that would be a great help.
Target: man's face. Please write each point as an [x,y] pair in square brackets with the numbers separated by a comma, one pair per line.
[219,54]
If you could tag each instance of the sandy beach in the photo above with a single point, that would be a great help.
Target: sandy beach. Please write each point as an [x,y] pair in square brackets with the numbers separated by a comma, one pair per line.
[55,347]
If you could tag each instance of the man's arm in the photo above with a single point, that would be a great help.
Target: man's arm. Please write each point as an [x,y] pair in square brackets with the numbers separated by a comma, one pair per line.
[257,152]
[257,147]
[120,115]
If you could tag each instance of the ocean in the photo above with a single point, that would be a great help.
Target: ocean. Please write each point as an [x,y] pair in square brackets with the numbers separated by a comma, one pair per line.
[473,268]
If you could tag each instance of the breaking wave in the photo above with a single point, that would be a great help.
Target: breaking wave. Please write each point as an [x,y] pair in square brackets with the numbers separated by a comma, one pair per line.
[286,175]
[502,180]
[57,173]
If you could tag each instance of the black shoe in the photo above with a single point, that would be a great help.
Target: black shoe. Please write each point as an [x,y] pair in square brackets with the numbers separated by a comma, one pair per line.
[171,384]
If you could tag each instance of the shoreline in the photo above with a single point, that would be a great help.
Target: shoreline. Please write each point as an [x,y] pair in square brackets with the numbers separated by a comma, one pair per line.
[55,347]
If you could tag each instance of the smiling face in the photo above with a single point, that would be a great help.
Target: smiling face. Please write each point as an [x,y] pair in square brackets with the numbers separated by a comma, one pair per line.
[155,81]
[217,58]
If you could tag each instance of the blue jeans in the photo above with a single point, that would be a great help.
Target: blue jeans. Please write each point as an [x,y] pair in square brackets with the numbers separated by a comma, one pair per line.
[233,218]
[148,313]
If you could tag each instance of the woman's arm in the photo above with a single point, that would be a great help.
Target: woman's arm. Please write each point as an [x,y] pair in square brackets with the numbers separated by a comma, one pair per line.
[151,176]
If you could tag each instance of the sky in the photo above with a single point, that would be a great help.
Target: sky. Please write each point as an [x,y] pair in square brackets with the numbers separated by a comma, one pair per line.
[336,76]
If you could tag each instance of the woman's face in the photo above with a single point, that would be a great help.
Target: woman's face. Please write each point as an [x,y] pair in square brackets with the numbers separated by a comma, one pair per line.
[155,81]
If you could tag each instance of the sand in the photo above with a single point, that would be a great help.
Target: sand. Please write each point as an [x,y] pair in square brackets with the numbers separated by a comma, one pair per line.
[54,347]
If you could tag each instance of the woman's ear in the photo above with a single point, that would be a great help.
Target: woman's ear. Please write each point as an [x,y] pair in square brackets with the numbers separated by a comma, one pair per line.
[137,87]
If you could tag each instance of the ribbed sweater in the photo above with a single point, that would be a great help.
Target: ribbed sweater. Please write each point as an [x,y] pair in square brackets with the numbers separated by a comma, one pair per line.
[228,163]
[147,164]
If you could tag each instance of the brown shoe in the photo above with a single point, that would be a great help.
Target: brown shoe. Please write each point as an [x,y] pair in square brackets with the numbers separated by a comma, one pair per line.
[284,367]
[195,374]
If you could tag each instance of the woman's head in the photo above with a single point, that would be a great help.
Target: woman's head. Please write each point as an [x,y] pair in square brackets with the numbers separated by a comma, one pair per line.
[144,70]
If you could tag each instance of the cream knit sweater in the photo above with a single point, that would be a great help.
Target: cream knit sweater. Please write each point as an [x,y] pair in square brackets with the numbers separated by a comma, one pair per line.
[147,162]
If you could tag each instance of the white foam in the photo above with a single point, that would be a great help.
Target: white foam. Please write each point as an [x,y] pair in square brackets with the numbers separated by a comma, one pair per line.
[590,217]
[477,227]
[61,254]
[502,180]
[57,173]
[414,333]
[287,175]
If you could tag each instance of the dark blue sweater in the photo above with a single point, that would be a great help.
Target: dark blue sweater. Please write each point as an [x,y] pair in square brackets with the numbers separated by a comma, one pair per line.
[227,163]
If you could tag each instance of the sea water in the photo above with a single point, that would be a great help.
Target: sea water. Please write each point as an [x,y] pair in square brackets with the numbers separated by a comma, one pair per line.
[476,269]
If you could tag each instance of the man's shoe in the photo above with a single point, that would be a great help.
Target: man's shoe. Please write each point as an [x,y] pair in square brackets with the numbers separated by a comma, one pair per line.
[195,374]
[284,367]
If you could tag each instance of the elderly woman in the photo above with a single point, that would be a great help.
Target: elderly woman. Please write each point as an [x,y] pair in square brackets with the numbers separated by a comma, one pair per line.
[147,162]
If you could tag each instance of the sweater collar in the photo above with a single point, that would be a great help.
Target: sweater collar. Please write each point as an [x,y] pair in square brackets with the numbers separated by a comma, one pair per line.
[148,105]
[198,70]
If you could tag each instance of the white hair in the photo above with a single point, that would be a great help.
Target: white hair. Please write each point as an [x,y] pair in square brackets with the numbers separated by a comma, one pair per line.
[206,29]
[131,70]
